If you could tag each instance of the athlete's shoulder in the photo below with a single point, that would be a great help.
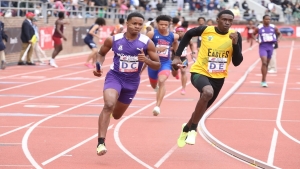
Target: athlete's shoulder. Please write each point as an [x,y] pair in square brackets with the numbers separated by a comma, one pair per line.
[272,25]
[143,38]
[118,36]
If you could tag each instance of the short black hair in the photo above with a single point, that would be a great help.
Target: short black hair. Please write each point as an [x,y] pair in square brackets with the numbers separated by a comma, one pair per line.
[163,18]
[61,15]
[100,21]
[210,20]
[121,21]
[201,18]
[135,14]
[185,24]
[229,12]
[175,20]
[266,16]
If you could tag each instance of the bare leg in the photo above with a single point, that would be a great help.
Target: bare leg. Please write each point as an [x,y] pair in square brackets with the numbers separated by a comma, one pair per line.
[264,67]
[161,90]
[183,78]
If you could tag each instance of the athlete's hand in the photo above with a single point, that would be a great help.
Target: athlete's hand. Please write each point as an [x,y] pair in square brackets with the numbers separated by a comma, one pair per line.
[98,73]
[176,62]
[234,37]
[161,48]
[141,56]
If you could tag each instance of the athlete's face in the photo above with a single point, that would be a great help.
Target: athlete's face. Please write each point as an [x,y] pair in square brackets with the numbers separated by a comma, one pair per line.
[163,25]
[209,23]
[224,22]
[267,20]
[180,33]
[134,25]
[201,22]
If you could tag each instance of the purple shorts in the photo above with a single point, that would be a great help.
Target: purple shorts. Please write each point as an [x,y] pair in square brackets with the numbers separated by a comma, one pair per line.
[125,86]
[266,50]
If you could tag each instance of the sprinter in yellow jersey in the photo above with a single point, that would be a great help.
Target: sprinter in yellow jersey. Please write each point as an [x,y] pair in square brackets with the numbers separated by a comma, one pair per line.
[219,46]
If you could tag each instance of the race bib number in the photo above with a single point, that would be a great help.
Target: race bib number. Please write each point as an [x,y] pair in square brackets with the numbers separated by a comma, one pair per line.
[184,53]
[250,31]
[128,64]
[165,52]
[217,65]
[267,37]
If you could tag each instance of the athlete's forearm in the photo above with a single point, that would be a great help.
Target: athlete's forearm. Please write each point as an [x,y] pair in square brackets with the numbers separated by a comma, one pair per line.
[100,58]
[237,56]
[155,65]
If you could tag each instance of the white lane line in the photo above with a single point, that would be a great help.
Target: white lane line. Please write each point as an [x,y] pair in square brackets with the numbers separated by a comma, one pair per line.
[118,126]
[28,132]
[273,147]
[164,158]
[260,82]
[19,128]
[47,79]
[281,103]
[72,148]
[260,108]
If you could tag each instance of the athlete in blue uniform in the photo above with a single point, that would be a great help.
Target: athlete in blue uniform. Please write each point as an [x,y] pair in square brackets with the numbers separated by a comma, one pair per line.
[164,40]
[93,32]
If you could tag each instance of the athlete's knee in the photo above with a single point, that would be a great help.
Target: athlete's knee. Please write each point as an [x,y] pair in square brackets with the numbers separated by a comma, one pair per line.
[207,93]
[116,117]
[264,63]
[109,106]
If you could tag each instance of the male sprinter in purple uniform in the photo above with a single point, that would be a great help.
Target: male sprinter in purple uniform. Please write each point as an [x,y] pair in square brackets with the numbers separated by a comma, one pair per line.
[267,38]
[122,81]
[164,40]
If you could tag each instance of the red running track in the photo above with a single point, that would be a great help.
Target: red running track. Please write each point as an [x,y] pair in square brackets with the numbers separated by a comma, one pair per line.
[49,120]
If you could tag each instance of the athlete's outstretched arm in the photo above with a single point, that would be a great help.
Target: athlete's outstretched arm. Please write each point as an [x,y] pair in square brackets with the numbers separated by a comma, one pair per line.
[101,54]
[187,38]
[237,56]
[153,61]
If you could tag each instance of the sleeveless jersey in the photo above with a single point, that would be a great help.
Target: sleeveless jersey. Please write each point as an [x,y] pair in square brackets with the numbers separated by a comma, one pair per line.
[163,41]
[56,34]
[125,54]
[266,34]
[215,54]
[88,35]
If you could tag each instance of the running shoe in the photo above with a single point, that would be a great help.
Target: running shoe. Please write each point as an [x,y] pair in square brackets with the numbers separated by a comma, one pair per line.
[52,63]
[101,149]
[264,84]
[181,140]
[182,92]
[156,111]
[191,137]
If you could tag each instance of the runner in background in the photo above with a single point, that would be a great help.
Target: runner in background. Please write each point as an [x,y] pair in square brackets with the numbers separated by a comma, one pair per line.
[56,37]
[175,24]
[88,40]
[149,25]
[268,34]
[3,40]
[250,29]
[209,22]
[163,40]
[119,27]
[183,70]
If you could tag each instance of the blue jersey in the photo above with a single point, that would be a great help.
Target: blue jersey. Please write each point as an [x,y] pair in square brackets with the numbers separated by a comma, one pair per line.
[163,41]
[88,35]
